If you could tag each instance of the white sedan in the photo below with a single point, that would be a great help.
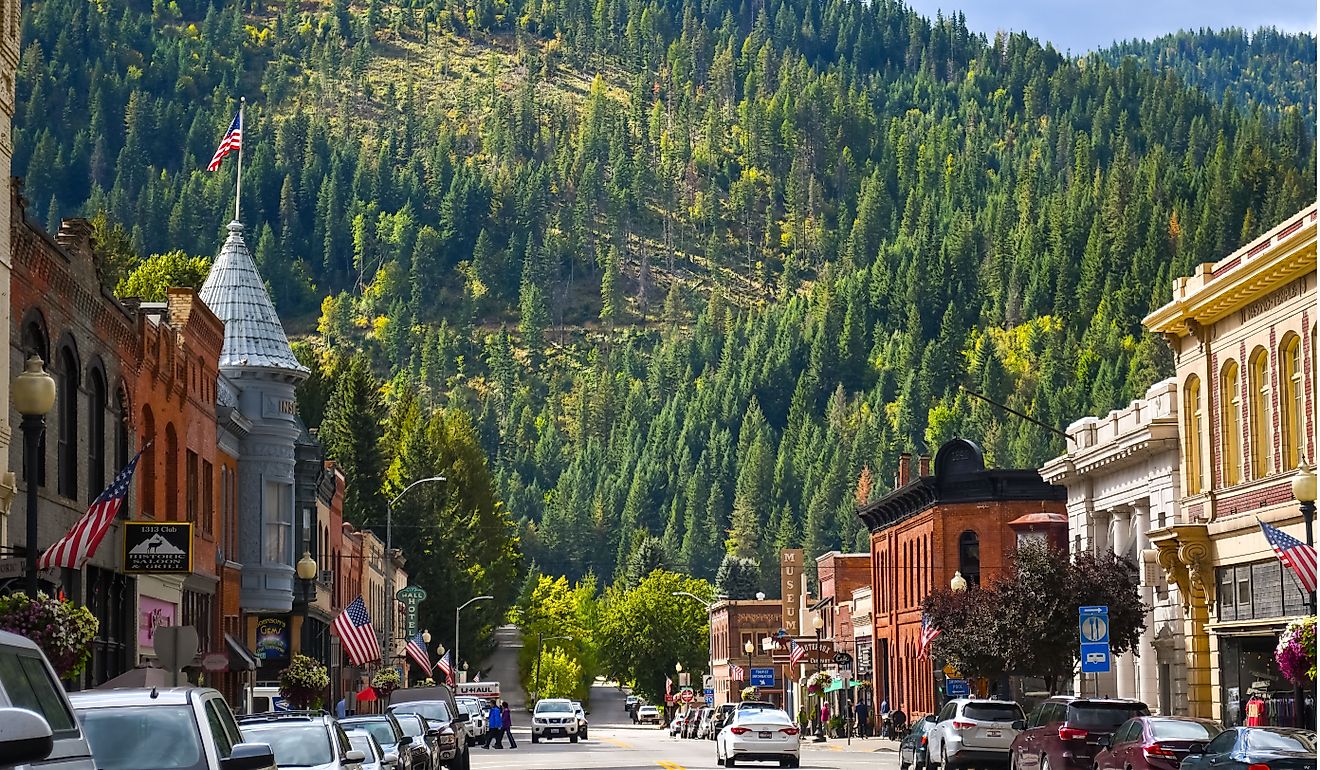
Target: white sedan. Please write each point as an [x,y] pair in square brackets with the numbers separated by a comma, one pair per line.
[759,735]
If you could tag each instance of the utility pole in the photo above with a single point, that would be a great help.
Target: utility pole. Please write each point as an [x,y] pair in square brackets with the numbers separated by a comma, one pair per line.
[390,600]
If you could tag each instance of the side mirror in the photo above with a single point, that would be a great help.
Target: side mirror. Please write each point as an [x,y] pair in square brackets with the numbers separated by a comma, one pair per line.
[25,737]
[390,760]
[353,755]
[460,718]
[930,719]
[405,741]
[1105,742]
[249,756]
[1019,725]
[1196,749]
[432,732]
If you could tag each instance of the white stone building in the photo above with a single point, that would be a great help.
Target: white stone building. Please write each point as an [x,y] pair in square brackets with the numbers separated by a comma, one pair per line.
[1121,472]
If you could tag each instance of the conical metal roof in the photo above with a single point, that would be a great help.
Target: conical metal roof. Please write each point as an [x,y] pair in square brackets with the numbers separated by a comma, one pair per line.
[254,336]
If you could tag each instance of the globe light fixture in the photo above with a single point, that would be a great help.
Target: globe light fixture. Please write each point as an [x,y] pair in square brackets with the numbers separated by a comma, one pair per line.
[307,567]
[1303,483]
[749,647]
[958,583]
[818,622]
[426,636]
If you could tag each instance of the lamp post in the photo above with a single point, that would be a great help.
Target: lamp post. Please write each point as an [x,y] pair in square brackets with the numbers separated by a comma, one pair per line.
[457,610]
[306,570]
[540,643]
[34,395]
[1303,488]
[818,623]
[749,648]
[390,601]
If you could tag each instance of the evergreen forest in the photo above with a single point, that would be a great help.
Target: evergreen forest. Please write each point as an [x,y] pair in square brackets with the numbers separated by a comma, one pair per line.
[690,274]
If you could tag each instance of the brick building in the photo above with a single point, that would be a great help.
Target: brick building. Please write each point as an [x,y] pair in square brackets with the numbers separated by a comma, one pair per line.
[61,313]
[960,519]
[1243,334]
[734,623]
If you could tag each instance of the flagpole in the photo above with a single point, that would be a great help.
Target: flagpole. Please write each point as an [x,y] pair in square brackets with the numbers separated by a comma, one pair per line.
[238,181]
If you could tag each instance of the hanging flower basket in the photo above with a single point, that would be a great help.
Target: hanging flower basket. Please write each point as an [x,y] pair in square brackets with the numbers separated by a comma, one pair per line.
[751,693]
[303,682]
[427,682]
[1295,654]
[818,682]
[63,630]
[385,681]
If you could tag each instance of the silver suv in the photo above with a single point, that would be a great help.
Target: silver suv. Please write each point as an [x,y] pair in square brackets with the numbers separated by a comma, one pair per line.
[37,726]
[309,739]
[180,727]
[972,731]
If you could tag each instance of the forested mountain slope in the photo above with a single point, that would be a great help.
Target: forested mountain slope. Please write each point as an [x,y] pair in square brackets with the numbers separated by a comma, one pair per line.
[1265,67]
[698,270]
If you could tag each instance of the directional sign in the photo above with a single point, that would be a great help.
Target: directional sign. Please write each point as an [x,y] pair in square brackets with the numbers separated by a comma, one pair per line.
[1093,628]
[763,677]
[957,688]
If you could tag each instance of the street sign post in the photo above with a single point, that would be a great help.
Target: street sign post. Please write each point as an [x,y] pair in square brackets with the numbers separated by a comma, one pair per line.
[1093,630]
[175,646]
[763,677]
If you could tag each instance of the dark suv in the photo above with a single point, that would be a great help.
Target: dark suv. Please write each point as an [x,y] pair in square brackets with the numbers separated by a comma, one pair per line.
[1064,732]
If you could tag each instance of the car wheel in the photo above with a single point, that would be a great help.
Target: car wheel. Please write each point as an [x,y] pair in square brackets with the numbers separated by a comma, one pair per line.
[718,759]
[535,739]
[730,762]
[572,739]
[944,759]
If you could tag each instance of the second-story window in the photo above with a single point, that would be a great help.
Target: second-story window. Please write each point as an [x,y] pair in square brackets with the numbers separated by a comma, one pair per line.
[170,508]
[1230,425]
[1258,383]
[67,452]
[191,483]
[969,557]
[1291,401]
[1194,433]
[96,405]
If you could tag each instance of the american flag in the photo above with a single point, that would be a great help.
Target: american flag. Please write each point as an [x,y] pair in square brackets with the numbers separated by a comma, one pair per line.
[356,633]
[417,651]
[796,653]
[80,543]
[1296,555]
[233,141]
[444,666]
[476,677]
[736,672]
[669,687]
[928,633]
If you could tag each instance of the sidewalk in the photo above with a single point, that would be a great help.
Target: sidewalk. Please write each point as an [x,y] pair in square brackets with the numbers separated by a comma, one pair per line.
[859,745]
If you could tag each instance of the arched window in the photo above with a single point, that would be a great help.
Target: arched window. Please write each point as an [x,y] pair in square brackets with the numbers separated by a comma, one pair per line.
[170,509]
[1258,388]
[969,557]
[147,465]
[1194,431]
[1292,401]
[96,408]
[1230,425]
[66,458]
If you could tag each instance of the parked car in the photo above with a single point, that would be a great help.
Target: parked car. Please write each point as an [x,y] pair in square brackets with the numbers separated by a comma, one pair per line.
[691,719]
[581,715]
[720,718]
[676,724]
[40,728]
[649,715]
[554,718]
[376,756]
[475,728]
[301,739]
[912,750]
[972,730]
[759,735]
[1064,732]
[443,715]
[427,734]
[184,727]
[1240,748]
[631,703]
[706,727]
[388,733]
[1153,743]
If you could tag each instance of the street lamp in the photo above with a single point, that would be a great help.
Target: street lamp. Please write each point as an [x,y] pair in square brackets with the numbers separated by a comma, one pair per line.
[540,643]
[749,648]
[1303,488]
[390,601]
[958,582]
[700,600]
[818,623]
[306,570]
[760,596]
[426,636]
[34,395]
[459,609]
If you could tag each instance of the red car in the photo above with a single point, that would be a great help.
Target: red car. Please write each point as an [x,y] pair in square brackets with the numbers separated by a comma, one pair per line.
[1153,743]
[1064,732]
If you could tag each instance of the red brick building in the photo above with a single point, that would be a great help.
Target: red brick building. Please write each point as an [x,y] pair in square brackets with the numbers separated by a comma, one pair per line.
[960,519]
[734,623]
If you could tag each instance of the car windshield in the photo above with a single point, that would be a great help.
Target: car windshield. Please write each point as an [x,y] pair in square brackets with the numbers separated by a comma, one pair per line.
[134,737]
[1268,740]
[294,745]
[557,707]
[379,729]
[760,716]
[993,712]
[362,742]
[1182,730]
[436,711]
[411,725]
[1102,717]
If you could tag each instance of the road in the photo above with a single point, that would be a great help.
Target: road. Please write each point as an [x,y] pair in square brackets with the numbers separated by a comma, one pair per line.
[617,743]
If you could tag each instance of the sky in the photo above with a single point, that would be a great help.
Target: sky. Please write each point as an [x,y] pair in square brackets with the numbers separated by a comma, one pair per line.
[1079,26]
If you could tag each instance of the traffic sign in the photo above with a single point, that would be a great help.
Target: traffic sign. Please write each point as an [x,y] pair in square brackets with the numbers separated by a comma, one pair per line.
[687,696]
[1095,658]
[1093,624]
[957,688]
[762,677]
[710,699]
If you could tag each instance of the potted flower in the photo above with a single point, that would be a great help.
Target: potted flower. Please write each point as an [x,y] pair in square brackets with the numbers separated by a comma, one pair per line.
[818,682]
[385,681]
[303,682]
[1295,653]
[63,630]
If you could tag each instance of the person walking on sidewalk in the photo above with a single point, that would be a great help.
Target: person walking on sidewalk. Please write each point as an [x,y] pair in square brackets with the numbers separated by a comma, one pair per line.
[863,719]
[506,716]
[495,727]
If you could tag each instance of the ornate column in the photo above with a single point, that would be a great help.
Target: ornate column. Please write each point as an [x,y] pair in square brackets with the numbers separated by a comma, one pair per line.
[1125,664]
[1184,554]
[1148,662]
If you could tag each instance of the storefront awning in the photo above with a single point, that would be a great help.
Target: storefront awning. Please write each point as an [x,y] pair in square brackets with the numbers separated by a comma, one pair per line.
[838,684]
[239,657]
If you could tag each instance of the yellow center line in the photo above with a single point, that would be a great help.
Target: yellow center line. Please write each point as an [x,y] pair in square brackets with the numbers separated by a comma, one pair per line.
[617,742]
[669,765]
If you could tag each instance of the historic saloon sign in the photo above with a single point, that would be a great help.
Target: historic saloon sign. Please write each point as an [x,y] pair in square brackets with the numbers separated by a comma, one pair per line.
[160,548]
